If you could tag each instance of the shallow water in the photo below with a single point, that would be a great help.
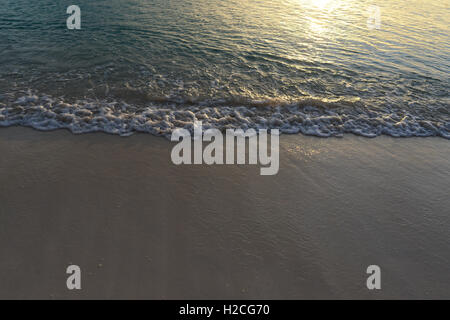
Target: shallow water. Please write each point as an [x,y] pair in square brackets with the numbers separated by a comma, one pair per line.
[311,66]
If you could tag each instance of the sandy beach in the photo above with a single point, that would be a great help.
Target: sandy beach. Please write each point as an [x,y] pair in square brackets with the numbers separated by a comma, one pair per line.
[141,227]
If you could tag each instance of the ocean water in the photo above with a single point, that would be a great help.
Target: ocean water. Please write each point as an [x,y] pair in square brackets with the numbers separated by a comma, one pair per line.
[318,67]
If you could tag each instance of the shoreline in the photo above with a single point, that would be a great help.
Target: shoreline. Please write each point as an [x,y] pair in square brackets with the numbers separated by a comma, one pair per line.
[308,116]
[141,227]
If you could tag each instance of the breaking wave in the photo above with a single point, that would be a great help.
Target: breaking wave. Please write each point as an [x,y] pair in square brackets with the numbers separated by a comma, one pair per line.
[308,116]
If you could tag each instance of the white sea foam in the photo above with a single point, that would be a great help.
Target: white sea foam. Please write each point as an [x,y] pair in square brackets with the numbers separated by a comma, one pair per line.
[310,117]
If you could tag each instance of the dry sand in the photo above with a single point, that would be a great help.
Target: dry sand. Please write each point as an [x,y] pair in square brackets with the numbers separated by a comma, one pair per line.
[141,227]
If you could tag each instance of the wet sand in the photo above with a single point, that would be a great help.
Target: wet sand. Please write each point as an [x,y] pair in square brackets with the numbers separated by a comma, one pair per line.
[141,227]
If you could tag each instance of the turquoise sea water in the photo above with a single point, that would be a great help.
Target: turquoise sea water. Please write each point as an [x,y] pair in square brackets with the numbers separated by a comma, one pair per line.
[310,66]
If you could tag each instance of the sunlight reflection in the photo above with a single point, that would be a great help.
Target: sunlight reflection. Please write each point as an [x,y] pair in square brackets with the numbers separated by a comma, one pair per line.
[321,4]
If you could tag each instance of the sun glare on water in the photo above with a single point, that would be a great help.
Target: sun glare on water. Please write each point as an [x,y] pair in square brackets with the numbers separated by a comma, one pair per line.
[321,3]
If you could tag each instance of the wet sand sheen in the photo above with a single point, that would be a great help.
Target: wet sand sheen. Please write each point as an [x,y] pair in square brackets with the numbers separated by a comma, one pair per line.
[141,227]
